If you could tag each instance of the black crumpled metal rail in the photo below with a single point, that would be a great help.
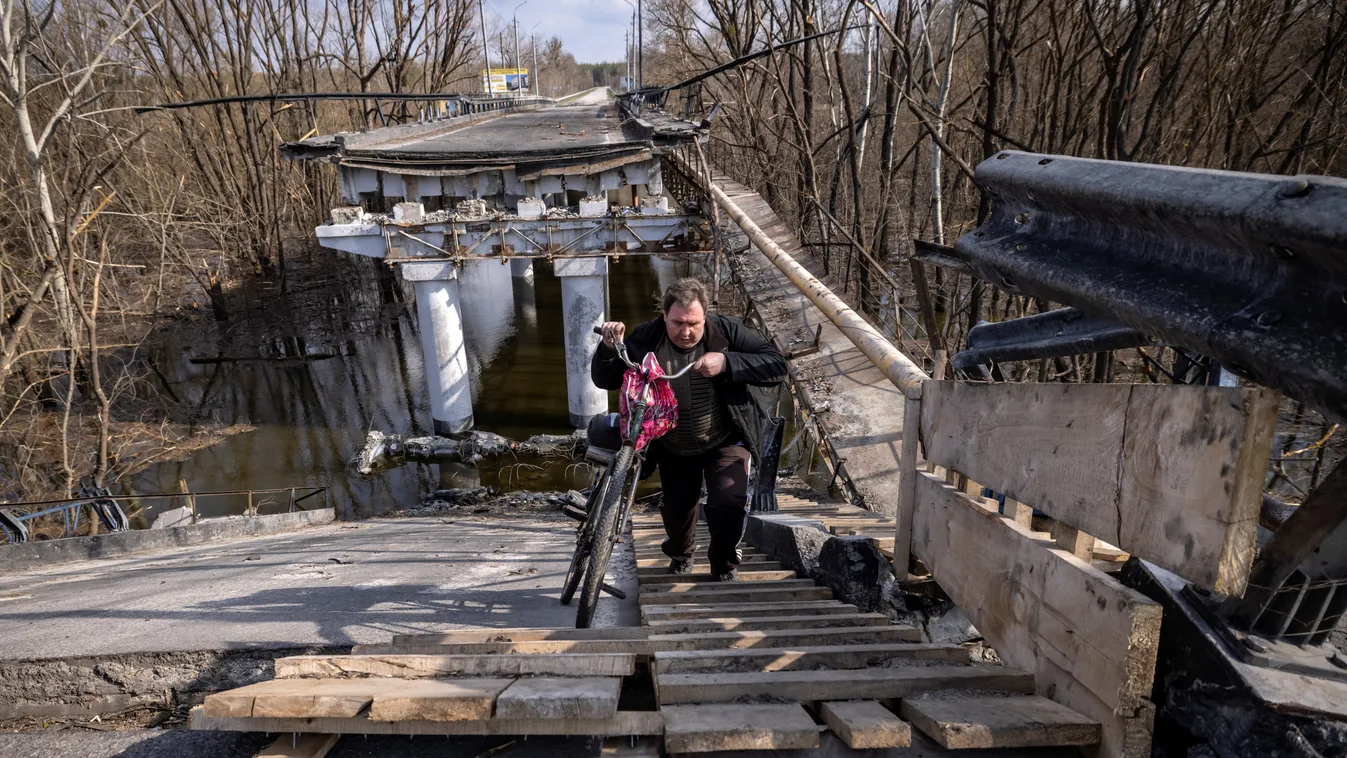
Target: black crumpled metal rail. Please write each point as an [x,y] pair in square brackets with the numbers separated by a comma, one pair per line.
[1250,269]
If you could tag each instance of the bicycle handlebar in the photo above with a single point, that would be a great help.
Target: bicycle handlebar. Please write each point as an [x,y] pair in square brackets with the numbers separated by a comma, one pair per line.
[622,354]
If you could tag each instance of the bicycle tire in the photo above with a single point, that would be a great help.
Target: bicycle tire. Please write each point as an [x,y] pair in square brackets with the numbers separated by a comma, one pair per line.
[610,509]
[584,542]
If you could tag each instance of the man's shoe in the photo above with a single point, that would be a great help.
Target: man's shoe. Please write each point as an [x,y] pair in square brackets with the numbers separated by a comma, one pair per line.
[728,576]
[680,566]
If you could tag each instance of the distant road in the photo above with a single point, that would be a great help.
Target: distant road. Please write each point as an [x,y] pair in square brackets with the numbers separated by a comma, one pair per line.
[596,96]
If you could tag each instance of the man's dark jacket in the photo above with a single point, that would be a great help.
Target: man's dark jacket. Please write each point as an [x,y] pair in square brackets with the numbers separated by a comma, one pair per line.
[750,360]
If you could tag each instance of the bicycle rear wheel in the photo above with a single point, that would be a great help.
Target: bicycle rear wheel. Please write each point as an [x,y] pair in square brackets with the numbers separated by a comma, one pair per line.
[584,542]
[605,534]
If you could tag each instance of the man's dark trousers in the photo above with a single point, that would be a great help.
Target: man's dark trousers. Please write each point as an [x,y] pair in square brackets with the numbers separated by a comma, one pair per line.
[725,471]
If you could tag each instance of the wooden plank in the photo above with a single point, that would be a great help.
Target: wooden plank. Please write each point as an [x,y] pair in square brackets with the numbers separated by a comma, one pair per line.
[865,724]
[300,746]
[536,647]
[706,729]
[746,610]
[1171,474]
[1073,541]
[683,585]
[655,580]
[805,657]
[738,594]
[907,489]
[313,698]
[969,721]
[869,684]
[1091,641]
[290,698]
[662,568]
[633,723]
[661,560]
[772,638]
[432,666]
[677,626]
[521,635]
[435,699]
[557,698]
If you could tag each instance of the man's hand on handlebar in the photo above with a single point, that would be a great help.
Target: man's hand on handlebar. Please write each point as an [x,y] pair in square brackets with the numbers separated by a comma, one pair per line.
[709,365]
[613,332]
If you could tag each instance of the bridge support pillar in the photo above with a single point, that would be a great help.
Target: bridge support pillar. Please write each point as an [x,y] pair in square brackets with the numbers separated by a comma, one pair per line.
[440,316]
[582,305]
[521,268]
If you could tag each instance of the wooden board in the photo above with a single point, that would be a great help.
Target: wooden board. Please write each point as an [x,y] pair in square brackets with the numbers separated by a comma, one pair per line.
[662,569]
[683,584]
[558,698]
[677,626]
[865,724]
[1089,640]
[661,561]
[746,610]
[521,635]
[300,746]
[773,638]
[706,729]
[740,593]
[624,723]
[655,580]
[291,698]
[969,721]
[435,699]
[535,647]
[805,657]
[870,684]
[1171,474]
[431,666]
[313,698]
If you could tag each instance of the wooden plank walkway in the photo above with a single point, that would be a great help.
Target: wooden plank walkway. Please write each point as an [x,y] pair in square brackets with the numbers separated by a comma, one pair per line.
[722,680]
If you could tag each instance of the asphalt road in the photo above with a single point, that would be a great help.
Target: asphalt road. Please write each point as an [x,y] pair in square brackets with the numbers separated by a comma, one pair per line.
[339,584]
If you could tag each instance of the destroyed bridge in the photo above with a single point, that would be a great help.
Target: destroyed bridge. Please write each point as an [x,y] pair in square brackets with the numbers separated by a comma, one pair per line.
[1109,543]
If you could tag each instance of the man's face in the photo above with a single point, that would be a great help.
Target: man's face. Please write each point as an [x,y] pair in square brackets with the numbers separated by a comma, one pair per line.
[685,324]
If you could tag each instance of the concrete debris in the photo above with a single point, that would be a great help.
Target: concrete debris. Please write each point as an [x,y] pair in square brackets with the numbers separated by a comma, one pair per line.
[176,517]
[951,626]
[854,568]
[488,501]
[793,541]
[472,209]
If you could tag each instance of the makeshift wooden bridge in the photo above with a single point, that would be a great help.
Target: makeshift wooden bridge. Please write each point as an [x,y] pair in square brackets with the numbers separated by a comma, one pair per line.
[768,662]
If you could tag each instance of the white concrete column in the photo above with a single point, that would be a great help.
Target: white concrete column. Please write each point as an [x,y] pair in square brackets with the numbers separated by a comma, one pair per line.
[440,317]
[582,309]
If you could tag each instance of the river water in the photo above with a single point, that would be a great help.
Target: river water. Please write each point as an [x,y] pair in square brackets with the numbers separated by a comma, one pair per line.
[313,370]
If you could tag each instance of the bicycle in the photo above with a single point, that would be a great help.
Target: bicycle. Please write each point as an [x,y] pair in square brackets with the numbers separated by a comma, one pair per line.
[617,473]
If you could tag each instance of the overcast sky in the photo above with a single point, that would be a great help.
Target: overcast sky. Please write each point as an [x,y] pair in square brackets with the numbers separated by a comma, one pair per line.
[590,29]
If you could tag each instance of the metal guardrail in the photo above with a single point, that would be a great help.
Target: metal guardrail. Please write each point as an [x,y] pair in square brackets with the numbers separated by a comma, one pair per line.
[1249,269]
[16,517]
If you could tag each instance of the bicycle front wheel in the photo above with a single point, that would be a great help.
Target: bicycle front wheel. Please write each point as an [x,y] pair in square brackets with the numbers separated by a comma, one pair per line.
[606,524]
[584,542]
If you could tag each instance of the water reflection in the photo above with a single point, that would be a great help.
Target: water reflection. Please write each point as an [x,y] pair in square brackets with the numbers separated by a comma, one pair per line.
[312,415]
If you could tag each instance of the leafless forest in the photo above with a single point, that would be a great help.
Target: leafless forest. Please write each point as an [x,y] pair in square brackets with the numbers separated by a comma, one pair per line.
[118,224]
[867,140]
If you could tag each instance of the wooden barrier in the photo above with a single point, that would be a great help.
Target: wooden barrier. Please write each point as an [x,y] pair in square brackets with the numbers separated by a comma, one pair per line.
[1170,474]
[1089,641]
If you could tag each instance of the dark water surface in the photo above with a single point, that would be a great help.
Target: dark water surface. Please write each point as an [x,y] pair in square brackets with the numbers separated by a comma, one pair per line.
[339,354]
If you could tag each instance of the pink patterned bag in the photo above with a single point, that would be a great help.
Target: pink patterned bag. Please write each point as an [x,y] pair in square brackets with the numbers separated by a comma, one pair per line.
[661,414]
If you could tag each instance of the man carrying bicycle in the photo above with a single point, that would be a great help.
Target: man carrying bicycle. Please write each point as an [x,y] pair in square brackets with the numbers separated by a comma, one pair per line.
[719,424]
